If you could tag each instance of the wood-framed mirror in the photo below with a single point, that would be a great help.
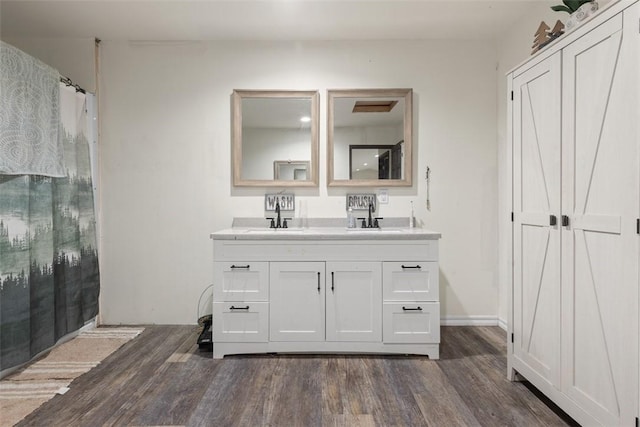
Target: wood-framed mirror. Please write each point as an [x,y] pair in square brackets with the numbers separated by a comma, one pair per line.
[369,137]
[275,138]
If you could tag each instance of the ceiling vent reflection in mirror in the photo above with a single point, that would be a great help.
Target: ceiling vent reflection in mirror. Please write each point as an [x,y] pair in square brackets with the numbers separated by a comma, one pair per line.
[373,106]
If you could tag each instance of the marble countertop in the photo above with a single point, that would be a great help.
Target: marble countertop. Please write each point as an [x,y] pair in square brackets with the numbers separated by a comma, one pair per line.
[323,229]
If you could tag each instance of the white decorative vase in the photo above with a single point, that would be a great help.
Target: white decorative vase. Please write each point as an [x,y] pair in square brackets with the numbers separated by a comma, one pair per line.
[581,14]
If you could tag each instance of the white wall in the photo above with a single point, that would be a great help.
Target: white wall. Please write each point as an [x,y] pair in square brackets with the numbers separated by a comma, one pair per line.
[165,115]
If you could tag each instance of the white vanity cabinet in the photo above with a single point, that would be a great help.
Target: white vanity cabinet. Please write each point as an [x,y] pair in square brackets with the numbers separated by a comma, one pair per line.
[326,291]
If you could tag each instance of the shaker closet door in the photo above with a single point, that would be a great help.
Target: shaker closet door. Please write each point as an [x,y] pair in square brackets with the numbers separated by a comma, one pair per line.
[536,229]
[600,244]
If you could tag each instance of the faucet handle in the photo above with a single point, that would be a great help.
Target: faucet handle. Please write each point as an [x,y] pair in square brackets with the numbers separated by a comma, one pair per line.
[375,222]
[284,222]
[364,222]
[273,224]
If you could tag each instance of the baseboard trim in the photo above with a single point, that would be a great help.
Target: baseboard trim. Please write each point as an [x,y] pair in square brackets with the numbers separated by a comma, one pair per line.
[503,324]
[469,321]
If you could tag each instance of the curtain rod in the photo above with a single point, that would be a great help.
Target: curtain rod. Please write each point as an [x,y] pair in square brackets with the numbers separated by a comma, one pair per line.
[67,81]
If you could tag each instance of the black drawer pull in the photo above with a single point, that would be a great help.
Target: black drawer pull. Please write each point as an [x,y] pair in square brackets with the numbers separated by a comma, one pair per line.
[318,282]
[245,267]
[239,308]
[553,220]
[412,309]
[565,221]
[332,282]
[411,266]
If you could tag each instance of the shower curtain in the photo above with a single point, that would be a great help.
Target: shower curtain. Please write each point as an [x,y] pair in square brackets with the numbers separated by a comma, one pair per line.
[49,278]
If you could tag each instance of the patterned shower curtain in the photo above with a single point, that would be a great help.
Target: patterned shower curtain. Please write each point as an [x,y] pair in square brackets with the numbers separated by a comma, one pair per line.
[49,278]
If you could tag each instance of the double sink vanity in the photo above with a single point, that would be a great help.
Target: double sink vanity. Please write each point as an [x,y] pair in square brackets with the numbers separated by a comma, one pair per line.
[313,285]
[325,288]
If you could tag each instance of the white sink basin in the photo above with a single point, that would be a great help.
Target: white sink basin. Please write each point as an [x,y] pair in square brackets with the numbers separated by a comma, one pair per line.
[274,230]
[375,230]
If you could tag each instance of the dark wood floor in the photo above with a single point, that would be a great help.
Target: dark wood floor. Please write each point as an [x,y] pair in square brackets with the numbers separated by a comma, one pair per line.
[161,378]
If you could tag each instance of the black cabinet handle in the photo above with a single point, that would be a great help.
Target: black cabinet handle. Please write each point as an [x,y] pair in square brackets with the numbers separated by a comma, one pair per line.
[332,282]
[245,267]
[411,266]
[565,221]
[553,220]
[239,308]
[318,282]
[412,309]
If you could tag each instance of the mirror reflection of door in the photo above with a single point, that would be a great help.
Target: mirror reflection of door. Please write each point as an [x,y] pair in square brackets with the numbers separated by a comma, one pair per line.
[375,161]
[396,161]
[289,170]
[383,165]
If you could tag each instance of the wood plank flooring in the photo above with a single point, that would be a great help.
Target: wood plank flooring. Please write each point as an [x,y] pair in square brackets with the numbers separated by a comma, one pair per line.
[162,378]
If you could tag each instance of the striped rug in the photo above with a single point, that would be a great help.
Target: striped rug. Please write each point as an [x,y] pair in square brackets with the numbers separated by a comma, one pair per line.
[27,389]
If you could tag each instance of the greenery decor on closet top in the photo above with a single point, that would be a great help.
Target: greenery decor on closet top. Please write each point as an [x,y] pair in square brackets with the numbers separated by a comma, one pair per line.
[569,6]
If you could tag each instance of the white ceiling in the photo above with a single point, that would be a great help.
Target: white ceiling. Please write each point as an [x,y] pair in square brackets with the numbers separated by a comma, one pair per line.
[261,20]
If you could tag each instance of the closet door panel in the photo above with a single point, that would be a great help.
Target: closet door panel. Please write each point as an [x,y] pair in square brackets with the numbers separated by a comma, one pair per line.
[600,245]
[536,294]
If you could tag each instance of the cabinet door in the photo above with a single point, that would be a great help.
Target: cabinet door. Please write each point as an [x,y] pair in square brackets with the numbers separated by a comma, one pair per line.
[240,281]
[297,301]
[410,281]
[600,244]
[354,301]
[536,241]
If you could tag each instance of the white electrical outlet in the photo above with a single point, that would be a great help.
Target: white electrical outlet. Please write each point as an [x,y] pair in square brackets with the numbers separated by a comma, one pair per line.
[383,196]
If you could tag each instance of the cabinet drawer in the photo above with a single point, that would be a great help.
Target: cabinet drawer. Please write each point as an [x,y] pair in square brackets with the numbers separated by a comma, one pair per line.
[411,322]
[241,281]
[410,281]
[240,321]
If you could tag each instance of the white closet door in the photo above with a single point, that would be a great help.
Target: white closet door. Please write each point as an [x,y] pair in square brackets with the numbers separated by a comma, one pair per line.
[536,170]
[600,244]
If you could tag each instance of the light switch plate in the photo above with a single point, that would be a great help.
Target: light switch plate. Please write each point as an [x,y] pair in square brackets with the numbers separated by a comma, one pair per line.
[383,196]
